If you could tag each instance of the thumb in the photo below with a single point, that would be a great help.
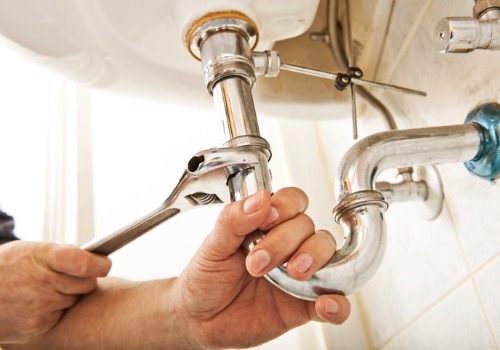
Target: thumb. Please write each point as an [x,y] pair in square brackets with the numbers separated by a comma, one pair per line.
[236,221]
[73,261]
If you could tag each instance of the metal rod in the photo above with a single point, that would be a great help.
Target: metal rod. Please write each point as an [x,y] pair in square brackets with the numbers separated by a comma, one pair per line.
[339,56]
[350,42]
[354,112]
[308,71]
[357,81]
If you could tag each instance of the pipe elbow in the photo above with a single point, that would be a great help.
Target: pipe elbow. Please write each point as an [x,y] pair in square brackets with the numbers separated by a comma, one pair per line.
[361,209]
[357,260]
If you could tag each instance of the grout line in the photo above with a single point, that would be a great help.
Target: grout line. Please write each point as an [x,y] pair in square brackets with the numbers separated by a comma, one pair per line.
[487,264]
[440,300]
[459,239]
[485,312]
[480,269]
[428,309]
[470,278]
[473,275]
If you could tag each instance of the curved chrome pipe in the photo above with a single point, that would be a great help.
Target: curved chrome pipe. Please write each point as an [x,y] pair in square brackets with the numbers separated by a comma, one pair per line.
[360,209]
[349,269]
[362,164]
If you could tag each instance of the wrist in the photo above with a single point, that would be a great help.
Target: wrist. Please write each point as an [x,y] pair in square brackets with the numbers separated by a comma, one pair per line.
[180,327]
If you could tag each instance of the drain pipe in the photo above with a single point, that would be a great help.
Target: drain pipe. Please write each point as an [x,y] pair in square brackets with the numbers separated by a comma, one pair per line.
[361,209]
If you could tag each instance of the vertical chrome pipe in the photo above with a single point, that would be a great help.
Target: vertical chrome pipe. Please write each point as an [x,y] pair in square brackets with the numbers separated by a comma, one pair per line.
[224,46]
[234,104]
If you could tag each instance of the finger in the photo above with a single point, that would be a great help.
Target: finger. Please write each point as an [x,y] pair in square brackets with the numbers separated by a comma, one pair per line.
[74,261]
[330,308]
[312,255]
[279,244]
[236,221]
[75,285]
[286,204]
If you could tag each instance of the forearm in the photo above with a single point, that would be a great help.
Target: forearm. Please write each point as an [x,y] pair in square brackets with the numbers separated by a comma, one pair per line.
[117,315]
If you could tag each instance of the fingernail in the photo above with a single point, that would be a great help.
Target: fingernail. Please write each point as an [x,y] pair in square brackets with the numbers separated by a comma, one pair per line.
[259,260]
[272,218]
[332,307]
[302,263]
[253,203]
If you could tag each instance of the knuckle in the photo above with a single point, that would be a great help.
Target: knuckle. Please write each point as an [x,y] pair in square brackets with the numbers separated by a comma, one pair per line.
[327,238]
[305,221]
[82,264]
[295,194]
[45,278]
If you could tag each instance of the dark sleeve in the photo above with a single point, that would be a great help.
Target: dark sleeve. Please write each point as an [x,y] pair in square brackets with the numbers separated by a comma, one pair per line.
[6,228]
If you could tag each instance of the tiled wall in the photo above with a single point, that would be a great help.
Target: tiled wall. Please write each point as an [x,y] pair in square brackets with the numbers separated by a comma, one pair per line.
[438,286]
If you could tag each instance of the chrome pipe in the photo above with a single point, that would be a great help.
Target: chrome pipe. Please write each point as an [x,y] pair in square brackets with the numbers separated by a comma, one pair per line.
[235,107]
[349,270]
[405,191]
[361,209]
[224,47]
[362,164]
[462,34]
[230,73]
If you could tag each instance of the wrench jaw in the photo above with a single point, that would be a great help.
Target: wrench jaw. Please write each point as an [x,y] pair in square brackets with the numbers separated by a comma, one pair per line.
[213,176]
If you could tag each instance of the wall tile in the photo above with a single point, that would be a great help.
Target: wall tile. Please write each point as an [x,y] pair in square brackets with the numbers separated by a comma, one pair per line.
[423,262]
[457,323]
[474,209]
[454,82]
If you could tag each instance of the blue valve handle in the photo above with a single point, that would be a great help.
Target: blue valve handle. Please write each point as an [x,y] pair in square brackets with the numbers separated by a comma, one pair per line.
[486,164]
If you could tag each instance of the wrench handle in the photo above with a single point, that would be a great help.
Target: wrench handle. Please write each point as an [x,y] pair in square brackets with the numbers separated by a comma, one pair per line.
[111,243]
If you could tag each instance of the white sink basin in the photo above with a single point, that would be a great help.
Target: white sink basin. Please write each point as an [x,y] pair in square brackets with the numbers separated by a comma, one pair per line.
[136,47]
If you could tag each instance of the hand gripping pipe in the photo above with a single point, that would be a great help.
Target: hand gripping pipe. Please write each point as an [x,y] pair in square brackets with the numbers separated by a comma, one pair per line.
[224,49]
[229,69]
[361,209]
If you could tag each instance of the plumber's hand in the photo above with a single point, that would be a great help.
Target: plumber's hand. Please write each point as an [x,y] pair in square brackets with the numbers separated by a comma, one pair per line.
[38,281]
[221,294]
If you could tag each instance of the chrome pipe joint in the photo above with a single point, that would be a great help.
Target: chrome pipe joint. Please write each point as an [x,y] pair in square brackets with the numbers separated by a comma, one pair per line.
[222,174]
[223,45]
[407,190]
[361,208]
[466,34]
